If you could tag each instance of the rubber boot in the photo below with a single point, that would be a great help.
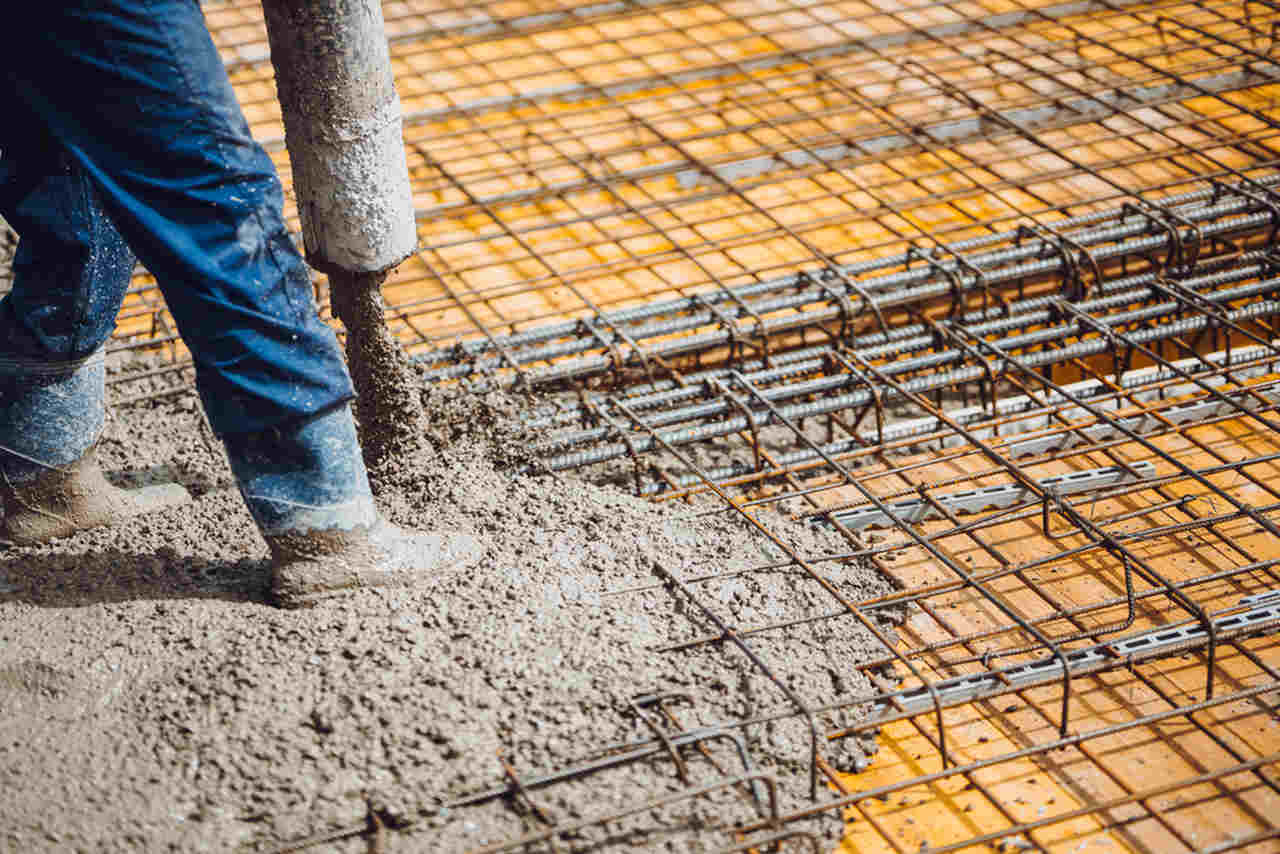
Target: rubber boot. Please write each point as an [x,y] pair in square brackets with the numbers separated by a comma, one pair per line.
[307,489]
[51,416]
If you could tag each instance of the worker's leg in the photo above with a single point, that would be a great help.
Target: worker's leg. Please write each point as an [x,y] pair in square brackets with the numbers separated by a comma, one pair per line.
[143,103]
[136,92]
[70,275]
[72,267]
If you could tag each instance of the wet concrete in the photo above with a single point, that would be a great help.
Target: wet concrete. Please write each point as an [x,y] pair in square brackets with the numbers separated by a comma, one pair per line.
[148,690]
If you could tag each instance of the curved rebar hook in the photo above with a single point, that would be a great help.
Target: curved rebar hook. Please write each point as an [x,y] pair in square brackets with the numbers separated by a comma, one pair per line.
[1173,240]
[637,467]
[867,300]
[760,338]
[872,389]
[636,349]
[1187,257]
[734,403]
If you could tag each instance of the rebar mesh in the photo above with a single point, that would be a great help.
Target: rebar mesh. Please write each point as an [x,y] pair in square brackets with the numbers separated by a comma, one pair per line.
[989,287]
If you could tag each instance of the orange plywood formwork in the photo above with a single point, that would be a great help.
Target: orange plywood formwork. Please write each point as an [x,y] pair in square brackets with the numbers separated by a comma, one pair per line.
[543,195]
[1057,794]
[989,287]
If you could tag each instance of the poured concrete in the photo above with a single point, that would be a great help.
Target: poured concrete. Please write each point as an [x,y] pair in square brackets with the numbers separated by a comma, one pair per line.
[149,690]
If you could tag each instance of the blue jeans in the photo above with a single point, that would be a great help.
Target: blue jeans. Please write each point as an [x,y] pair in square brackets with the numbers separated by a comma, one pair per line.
[120,135]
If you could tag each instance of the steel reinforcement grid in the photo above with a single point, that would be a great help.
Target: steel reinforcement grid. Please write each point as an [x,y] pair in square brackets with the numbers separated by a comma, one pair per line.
[989,288]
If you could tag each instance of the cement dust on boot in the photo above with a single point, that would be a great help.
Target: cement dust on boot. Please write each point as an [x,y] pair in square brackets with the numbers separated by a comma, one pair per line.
[51,419]
[60,501]
[312,566]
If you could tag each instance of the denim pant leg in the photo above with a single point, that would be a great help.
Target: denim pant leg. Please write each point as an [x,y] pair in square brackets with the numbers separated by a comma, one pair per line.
[135,91]
[71,272]
[72,267]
